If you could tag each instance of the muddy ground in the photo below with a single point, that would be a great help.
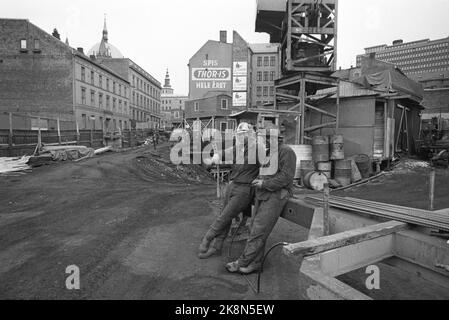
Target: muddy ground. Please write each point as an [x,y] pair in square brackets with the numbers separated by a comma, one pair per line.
[132,223]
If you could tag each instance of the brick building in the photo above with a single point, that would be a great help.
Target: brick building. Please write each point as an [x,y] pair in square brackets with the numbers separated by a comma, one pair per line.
[43,77]
[227,78]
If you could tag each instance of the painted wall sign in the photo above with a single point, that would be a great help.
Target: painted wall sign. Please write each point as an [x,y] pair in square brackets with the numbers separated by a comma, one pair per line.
[239,99]
[240,68]
[211,74]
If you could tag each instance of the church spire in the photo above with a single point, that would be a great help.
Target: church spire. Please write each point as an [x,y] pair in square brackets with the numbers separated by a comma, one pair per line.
[167,80]
[104,50]
[105,30]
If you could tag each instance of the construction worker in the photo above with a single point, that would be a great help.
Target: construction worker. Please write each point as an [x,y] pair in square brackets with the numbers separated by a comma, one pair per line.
[272,194]
[239,196]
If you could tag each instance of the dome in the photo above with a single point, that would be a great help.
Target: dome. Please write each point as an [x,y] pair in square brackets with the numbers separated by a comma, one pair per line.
[115,53]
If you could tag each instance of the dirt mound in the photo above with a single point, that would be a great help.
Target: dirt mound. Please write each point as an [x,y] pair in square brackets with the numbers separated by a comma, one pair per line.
[156,166]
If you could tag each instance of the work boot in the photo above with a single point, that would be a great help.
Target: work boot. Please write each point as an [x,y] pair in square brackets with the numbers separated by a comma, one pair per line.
[210,253]
[252,268]
[205,243]
[233,267]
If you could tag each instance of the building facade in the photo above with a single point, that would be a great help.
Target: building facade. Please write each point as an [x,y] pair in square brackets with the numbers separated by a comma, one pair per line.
[245,72]
[40,76]
[172,105]
[145,92]
[265,70]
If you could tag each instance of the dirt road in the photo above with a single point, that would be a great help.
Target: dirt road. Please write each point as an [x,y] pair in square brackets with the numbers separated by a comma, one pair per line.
[132,224]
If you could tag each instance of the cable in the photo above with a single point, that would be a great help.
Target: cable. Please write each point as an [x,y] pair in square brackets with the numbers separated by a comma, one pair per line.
[259,276]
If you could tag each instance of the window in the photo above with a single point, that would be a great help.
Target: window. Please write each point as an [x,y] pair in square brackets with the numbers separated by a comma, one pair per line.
[265,76]
[83,74]
[259,75]
[224,104]
[84,121]
[37,45]
[23,44]
[100,100]
[272,74]
[223,126]
[259,61]
[271,91]
[134,98]
[120,89]
[114,104]
[83,95]
[176,115]
[266,61]
[272,61]
[259,91]
[100,81]
[196,106]
[265,91]
[113,87]
[107,84]
[120,107]
[92,98]
[108,102]
[92,77]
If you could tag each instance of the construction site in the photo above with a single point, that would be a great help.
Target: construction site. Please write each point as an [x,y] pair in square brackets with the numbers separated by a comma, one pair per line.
[371,192]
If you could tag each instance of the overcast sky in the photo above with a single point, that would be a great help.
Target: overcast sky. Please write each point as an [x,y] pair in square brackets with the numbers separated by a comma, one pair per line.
[160,34]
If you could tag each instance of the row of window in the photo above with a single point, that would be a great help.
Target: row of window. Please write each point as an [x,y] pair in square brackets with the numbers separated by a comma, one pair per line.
[427,48]
[265,91]
[145,103]
[122,105]
[24,45]
[145,87]
[92,124]
[143,117]
[429,70]
[266,61]
[224,105]
[98,82]
[265,76]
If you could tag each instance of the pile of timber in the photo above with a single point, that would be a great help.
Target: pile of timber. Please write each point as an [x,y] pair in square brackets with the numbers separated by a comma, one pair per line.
[8,165]
[424,218]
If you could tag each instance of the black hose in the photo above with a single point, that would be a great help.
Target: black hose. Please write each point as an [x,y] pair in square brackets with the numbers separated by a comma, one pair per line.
[259,276]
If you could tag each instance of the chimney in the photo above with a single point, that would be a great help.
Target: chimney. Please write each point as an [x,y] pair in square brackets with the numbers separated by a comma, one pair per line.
[223,36]
[80,50]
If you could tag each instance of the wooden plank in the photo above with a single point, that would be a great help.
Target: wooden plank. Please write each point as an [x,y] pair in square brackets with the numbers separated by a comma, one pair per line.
[317,127]
[312,247]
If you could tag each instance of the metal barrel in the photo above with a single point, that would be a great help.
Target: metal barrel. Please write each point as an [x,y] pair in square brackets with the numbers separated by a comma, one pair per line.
[343,172]
[336,145]
[315,181]
[363,163]
[320,148]
[325,168]
[305,168]
[303,153]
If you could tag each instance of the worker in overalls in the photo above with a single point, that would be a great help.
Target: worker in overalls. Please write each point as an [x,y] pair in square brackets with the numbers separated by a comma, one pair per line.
[239,194]
[272,194]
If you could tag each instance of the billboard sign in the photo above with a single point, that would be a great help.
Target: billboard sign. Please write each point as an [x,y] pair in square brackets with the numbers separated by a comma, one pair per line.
[239,99]
[240,68]
[240,83]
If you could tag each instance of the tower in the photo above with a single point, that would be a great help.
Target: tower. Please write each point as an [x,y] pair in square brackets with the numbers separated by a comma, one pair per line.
[104,51]
[167,90]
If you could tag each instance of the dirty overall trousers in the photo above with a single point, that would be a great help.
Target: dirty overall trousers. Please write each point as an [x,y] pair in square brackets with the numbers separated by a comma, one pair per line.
[239,198]
[270,202]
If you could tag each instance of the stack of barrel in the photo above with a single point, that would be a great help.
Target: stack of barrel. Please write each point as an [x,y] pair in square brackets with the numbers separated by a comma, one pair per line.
[322,162]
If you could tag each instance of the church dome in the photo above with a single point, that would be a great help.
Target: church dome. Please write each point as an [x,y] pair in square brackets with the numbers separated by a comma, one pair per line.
[115,53]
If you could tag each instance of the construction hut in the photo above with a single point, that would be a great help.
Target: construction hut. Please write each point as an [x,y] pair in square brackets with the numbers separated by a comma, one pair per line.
[380,110]
[257,118]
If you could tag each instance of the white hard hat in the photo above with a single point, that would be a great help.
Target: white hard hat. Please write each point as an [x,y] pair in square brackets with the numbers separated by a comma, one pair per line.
[244,128]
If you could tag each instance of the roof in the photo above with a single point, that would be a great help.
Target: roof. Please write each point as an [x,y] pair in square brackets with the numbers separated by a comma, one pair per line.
[347,90]
[264,47]
[115,53]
